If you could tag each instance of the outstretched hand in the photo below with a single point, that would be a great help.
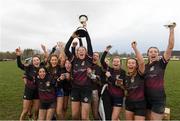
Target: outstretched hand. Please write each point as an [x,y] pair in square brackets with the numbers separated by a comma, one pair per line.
[134,44]
[43,47]
[75,43]
[60,45]
[18,51]
[74,35]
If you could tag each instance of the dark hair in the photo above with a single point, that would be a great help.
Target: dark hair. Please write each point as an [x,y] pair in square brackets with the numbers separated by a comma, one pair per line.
[151,48]
[42,67]
[96,52]
[52,55]
[118,58]
[132,59]
[36,55]
[81,47]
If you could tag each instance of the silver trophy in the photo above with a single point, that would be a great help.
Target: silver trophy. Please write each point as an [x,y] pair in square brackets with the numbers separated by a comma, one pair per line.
[81,30]
[170,25]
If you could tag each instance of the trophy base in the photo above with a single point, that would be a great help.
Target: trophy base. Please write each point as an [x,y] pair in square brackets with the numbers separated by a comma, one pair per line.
[82,32]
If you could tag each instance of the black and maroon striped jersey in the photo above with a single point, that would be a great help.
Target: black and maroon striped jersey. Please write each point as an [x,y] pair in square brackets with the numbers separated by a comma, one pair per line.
[55,73]
[29,74]
[79,67]
[97,70]
[46,89]
[154,79]
[66,84]
[115,75]
[135,87]
[80,77]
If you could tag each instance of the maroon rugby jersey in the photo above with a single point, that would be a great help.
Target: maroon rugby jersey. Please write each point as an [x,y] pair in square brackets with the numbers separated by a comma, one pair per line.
[154,79]
[115,75]
[80,77]
[135,87]
[46,89]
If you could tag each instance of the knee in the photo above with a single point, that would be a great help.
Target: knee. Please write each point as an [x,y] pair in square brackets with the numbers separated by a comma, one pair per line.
[75,116]
[25,111]
[84,117]
[115,117]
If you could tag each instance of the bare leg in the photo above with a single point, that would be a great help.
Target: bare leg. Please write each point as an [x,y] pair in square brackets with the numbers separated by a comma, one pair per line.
[115,113]
[156,116]
[65,105]
[59,108]
[50,113]
[26,107]
[85,111]
[129,115]
[95,104]
[75,110]
[36,108]
[42,114]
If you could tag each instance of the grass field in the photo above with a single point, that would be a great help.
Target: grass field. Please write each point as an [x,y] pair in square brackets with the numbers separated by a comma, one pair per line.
[12,88]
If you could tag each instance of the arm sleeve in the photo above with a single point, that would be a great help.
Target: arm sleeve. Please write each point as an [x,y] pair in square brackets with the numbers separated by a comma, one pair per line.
[19,63]
[73,50]
[67,46]
[53,50]
[89,45]
[80,42]
[163,62]
[103,63]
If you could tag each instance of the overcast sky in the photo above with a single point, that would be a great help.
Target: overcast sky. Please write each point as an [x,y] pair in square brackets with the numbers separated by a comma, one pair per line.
[29,23]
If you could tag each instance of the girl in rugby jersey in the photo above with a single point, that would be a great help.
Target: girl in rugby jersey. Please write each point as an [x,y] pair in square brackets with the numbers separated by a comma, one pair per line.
[46,93]
[135,100]
[115,77]
[154,76]
[81,84]
[30,92]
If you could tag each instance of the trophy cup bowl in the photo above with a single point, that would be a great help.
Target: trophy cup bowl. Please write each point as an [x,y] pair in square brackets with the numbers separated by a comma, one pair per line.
[82,31]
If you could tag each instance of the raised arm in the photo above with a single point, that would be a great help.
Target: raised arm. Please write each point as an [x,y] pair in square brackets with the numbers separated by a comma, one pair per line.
[103,63]
[73,48]
[68,44]
[167,53]
[89,45]
[19,63]
[45,52]
[80,42]
[61,46]
[62,55]
[139,57]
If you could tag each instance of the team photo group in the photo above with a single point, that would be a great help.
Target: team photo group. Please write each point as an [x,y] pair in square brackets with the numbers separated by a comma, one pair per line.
[73,78]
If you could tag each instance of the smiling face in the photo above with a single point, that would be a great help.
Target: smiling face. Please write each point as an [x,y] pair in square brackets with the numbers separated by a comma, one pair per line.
[116,63]
[54,61]
[81,52]
[95,57]
[153,54]
[131,65]
[42,73]
[68,65]
[36,61]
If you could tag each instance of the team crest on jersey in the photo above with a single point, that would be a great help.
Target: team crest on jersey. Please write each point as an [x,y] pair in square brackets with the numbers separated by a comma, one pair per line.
[85,99]
[152,68]
[117,77]
[83,63]
[47,83]
[132,80]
